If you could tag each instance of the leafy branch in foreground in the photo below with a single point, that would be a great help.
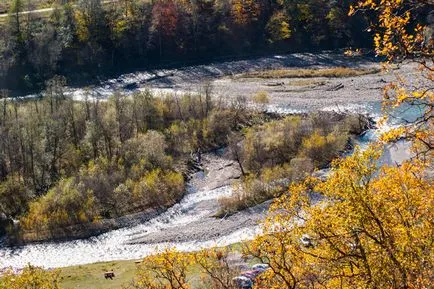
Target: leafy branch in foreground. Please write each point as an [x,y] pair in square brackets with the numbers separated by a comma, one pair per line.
[400,36]
[369,229]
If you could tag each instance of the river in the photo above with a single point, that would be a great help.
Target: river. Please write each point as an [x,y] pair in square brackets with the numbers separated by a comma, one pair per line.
[189,224]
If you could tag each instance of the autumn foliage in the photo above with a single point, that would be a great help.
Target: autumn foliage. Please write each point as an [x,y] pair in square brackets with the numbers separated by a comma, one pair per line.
[31,278]
[360,228]
[366,225]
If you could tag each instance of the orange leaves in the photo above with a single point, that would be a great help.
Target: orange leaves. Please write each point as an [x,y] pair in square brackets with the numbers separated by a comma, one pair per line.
[165,17]
[399,36]
[395,38]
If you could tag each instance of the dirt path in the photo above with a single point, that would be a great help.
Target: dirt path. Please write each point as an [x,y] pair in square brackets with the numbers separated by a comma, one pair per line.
[45,10]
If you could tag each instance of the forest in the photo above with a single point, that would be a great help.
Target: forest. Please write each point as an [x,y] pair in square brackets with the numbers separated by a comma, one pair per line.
[368,224]
[67,162]
[87,40]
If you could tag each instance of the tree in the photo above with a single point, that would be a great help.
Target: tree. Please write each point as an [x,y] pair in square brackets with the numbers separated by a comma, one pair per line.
[401,33]
[164,21]
[13,196]
[369,229]
[278,27]
[167,270]
[372,226]
[215,268]
[92,30]
[15,20]
[31,277]
[245,11]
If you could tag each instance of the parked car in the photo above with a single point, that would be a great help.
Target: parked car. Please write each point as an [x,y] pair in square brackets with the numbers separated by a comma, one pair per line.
[251,274]
[242,282]
[261,267]
[306,241]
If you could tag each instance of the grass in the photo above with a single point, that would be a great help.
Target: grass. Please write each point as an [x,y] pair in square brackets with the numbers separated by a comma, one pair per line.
[92,276]
[335,72]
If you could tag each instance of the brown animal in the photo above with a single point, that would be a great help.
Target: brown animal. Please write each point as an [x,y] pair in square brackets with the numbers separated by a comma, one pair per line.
[109,275]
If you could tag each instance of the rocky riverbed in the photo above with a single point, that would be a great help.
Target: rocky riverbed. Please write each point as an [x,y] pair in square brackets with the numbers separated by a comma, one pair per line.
[291,95]
[219,173]
[189,224]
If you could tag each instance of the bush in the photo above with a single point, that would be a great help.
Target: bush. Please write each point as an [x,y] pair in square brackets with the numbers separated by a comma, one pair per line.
[14,196]
[31,277]
[64,205]
[261,98]
[322,149]
[158,188]
[253,190]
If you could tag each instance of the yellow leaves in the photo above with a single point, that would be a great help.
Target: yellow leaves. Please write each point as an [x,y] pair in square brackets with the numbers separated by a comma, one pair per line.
[352,53]
[167,270]
[394,38]
[82,29]
[172,270]
[245,11]
[278,27]
[119,27]
[400,96]
[370,226]
[352,11]
[31,277]
[393,134]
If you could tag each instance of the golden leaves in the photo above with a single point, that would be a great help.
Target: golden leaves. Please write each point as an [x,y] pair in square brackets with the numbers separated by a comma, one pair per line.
[369,229]
[165,270]
[31,277]
[245,11]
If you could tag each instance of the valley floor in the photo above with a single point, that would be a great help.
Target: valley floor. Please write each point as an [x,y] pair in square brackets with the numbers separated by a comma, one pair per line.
[190,223]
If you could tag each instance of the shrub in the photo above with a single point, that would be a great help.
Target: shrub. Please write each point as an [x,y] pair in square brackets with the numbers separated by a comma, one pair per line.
[322,149]
[14,196]
[261,98]
[148,149]
[158,188]
[64,205]
[31,277]
[253,190]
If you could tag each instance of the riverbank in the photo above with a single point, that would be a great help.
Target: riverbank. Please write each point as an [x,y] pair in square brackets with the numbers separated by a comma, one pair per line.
[83,231]
[91,276]
[173,225]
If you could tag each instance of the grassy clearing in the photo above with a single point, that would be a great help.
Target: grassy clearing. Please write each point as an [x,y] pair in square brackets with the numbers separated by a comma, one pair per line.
[336,72]
[92,276]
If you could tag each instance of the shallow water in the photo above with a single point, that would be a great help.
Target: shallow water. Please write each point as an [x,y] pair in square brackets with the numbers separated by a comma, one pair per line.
[114,245]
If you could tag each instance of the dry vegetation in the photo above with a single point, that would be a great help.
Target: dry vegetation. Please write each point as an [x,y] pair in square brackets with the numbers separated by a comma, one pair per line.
[108,159]
[275,154]
[310,73]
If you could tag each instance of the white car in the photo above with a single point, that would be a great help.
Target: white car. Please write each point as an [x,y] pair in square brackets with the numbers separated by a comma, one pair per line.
[306,240]
[242,282]
[261,267]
